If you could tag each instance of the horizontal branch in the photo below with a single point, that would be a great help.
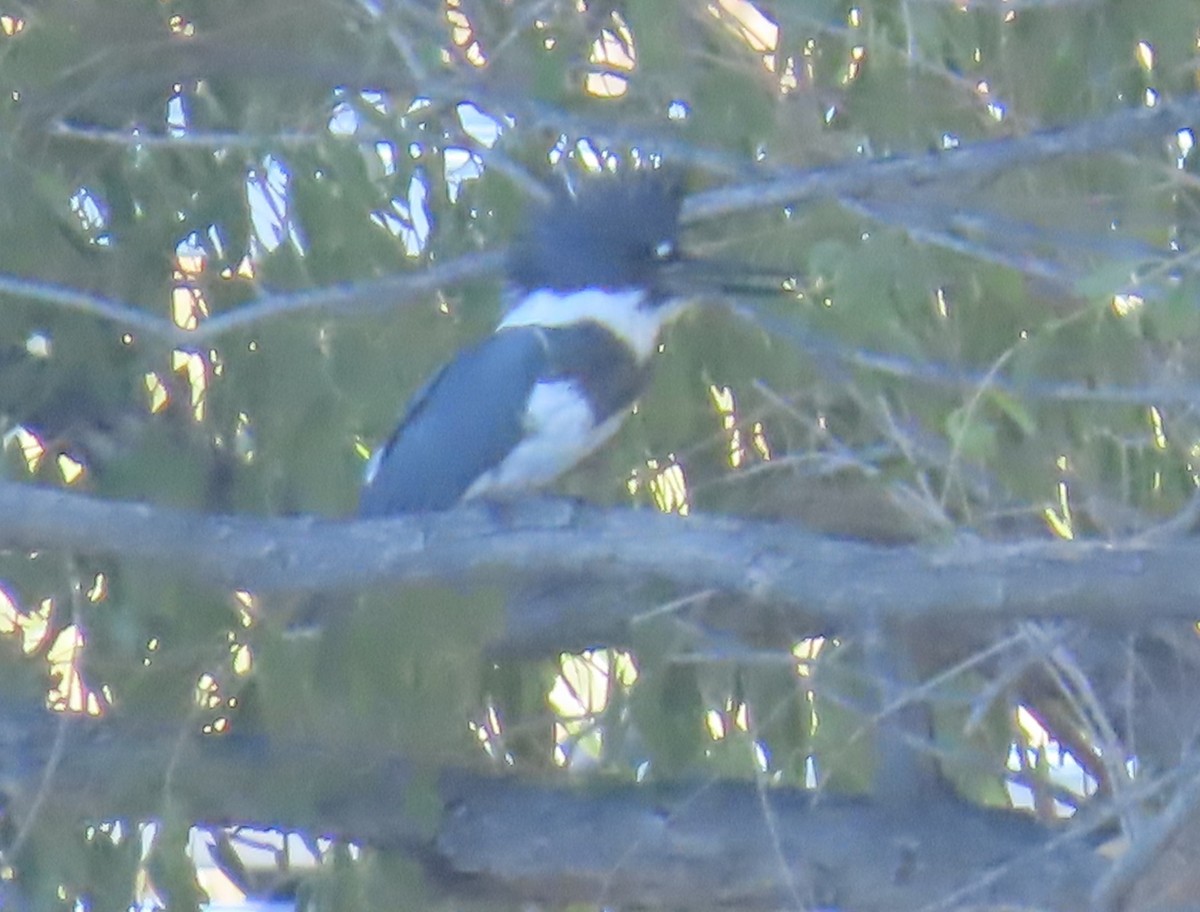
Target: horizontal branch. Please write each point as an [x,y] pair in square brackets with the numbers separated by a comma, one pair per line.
[732,845]
[787,571]
[693,845]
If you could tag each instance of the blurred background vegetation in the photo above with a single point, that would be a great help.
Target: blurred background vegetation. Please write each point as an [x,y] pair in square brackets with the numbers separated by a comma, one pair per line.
[210,213]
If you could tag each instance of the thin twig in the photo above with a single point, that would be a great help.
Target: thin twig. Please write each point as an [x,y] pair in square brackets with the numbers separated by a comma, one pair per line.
[92,305]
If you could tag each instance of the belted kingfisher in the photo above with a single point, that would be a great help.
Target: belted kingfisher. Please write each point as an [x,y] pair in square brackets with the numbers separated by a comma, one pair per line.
[593,287]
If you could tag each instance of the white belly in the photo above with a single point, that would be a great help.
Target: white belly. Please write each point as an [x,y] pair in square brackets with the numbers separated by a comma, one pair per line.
[559,433]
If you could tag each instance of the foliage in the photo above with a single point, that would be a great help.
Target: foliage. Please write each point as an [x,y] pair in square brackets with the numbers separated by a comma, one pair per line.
[1007,351]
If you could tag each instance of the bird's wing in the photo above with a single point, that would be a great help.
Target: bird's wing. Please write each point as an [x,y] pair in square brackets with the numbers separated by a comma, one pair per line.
[463,423]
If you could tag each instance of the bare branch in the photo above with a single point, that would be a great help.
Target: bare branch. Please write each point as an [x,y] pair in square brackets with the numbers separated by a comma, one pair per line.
[191,139]
[92,305]
[853,180]
[367,296]
[370,296]
[862,179]
[790,574]
[1112,890]
[632,844]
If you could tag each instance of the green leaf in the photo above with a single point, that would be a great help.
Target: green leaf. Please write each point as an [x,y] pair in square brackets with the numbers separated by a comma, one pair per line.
[781,715]
[1014,409]
[974,762]
[843,743]
[171,869]
[669,714]
[973,436]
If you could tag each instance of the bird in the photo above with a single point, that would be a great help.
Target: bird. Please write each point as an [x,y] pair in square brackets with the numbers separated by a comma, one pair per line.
[593,281]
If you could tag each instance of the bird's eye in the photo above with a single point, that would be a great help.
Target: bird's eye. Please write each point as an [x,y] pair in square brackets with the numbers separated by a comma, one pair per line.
[664,250]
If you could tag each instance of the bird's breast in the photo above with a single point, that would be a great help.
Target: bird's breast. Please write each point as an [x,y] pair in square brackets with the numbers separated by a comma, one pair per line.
[627,314]
[509,414]
[561,428]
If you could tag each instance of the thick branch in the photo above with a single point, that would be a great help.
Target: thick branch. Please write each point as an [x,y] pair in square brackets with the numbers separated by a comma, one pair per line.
[700,845]
[788,572]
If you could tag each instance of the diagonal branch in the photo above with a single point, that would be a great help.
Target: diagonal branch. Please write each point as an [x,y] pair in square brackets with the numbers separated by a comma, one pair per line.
[852,180]
[367,296]
[859,179]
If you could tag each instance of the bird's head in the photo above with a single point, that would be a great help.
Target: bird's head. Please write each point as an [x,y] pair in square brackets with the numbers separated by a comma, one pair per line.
[614,234]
